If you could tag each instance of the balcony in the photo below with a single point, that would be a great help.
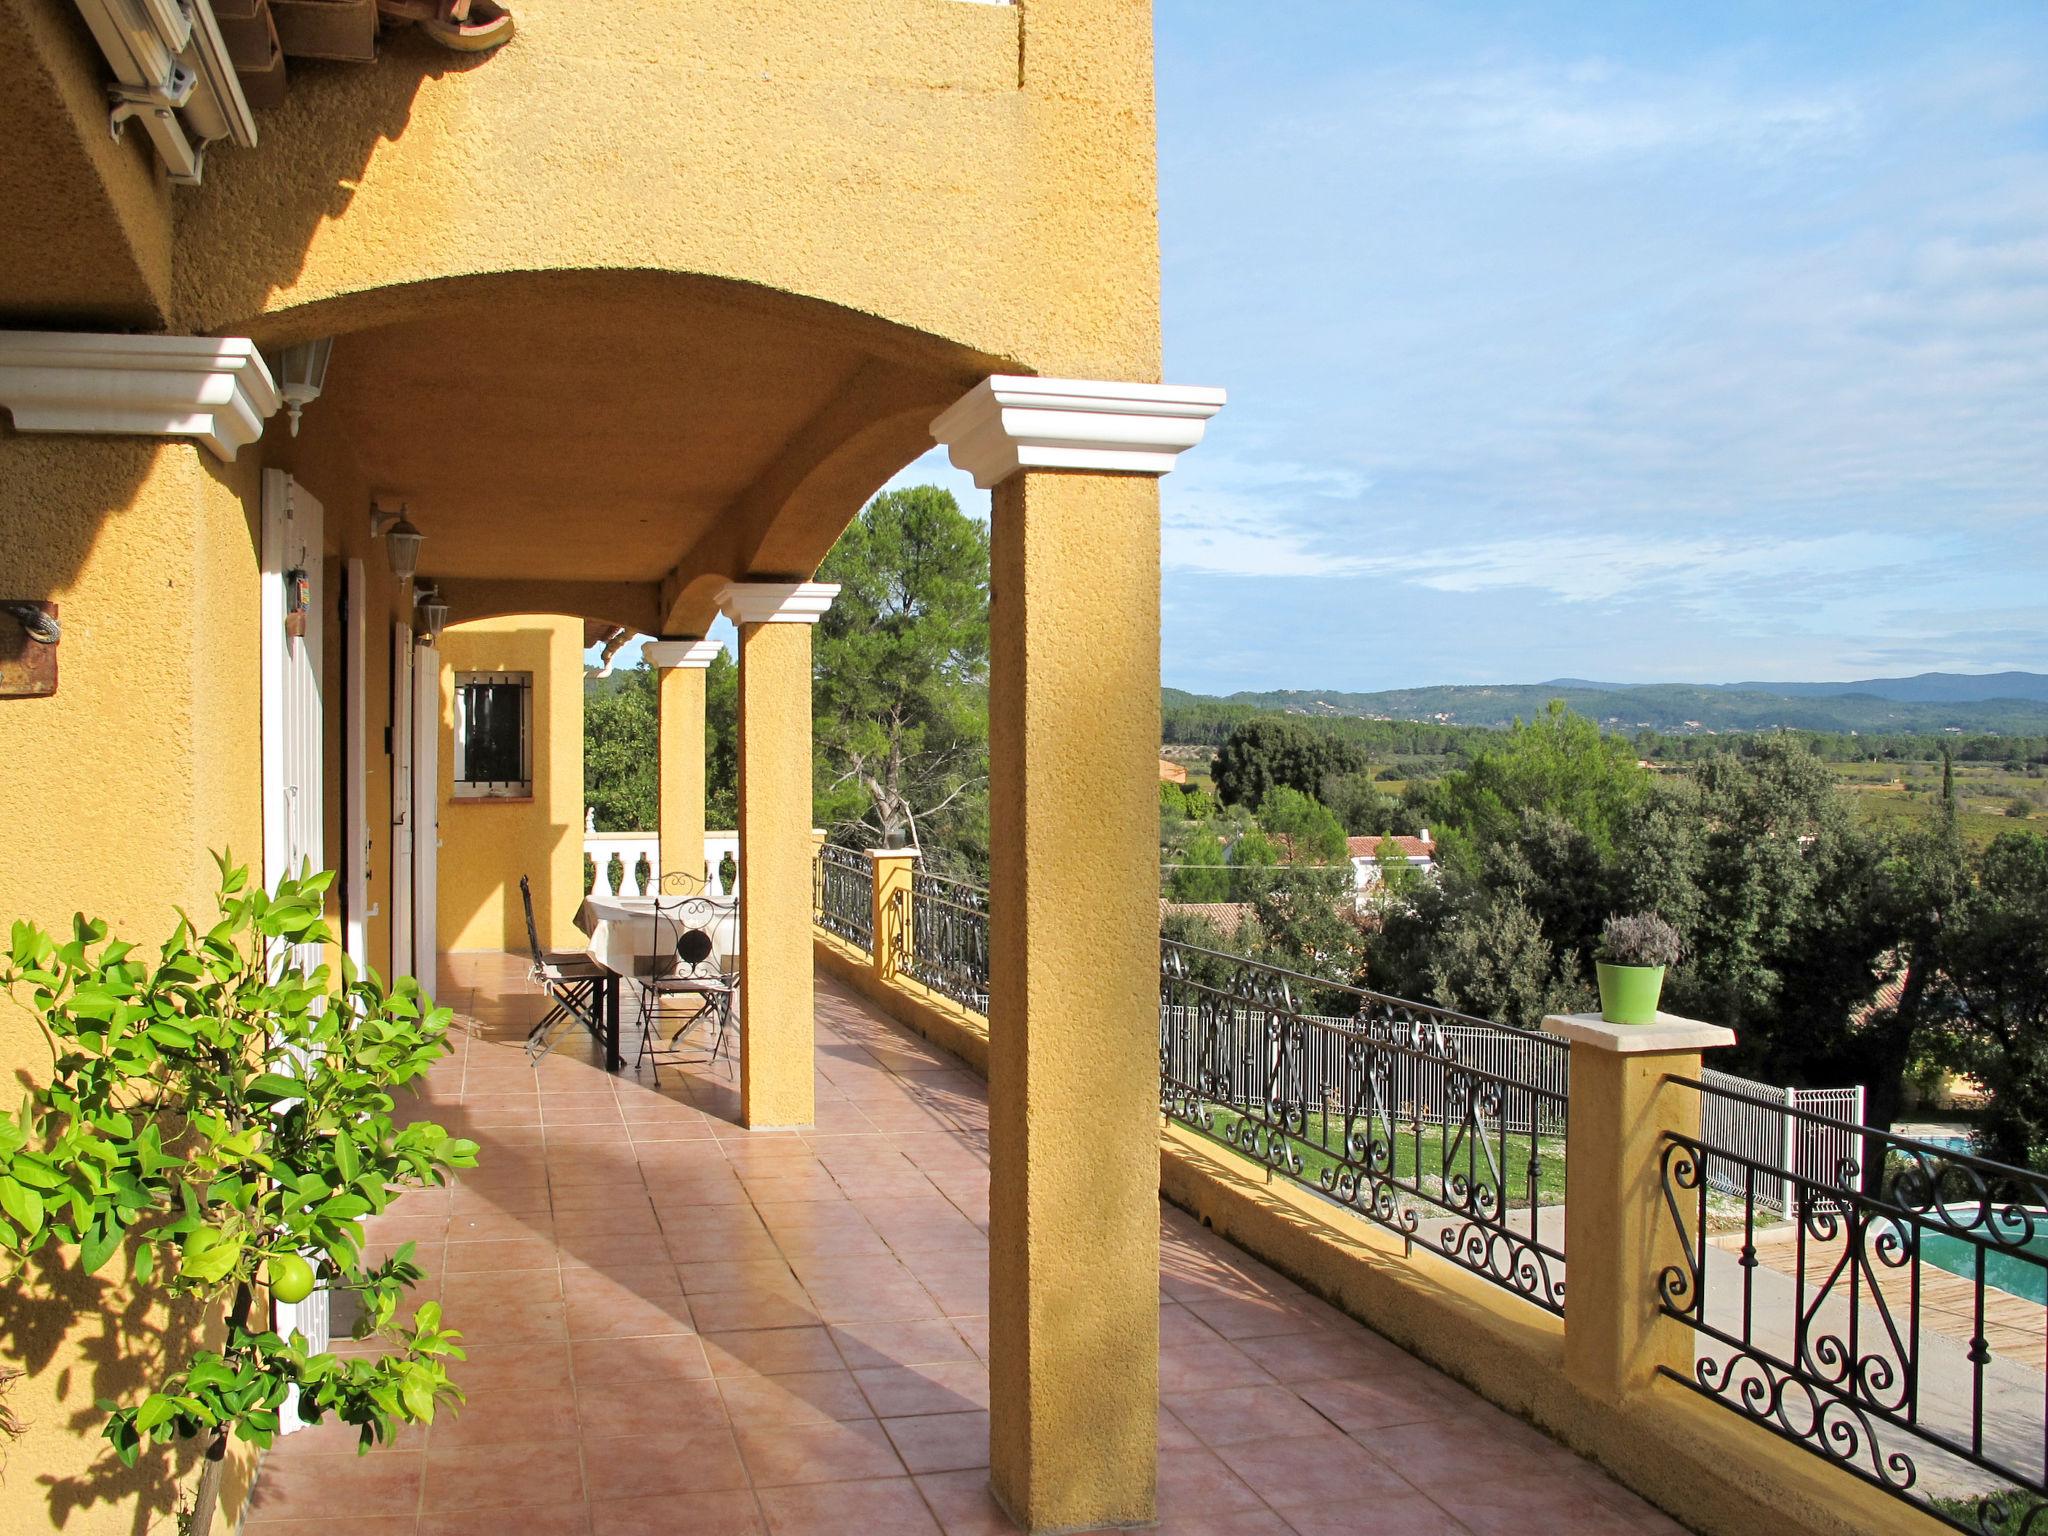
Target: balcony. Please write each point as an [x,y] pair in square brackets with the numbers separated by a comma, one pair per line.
[677,1325]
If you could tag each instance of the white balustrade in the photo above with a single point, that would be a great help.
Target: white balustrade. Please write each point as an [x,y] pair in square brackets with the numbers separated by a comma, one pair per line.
[631,847]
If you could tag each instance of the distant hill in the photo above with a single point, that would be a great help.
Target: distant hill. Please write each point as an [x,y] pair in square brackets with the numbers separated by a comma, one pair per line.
[2004,703]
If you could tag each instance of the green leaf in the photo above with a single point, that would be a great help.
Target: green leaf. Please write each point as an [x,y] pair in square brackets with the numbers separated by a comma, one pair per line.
[99,1245]
[156,1409]
[24,1205]
[208,1254]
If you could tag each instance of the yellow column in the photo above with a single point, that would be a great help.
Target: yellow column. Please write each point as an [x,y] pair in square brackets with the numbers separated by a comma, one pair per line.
[1618,1233]
[893,868]
[1074,1000]
[774,620]
[681,772]
[1074,933]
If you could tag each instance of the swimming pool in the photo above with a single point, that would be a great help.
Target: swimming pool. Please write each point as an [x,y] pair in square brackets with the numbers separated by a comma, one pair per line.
[2023,1273]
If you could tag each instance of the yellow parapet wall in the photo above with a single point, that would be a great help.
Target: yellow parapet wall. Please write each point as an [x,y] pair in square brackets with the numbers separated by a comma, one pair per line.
[1720,1474]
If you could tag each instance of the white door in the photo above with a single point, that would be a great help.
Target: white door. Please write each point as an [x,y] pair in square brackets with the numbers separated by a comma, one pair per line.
[426,810]
[355,769]
[293,811]
[401,802]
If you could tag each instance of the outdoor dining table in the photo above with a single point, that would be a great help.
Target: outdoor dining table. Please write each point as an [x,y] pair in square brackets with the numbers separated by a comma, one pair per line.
[621,932]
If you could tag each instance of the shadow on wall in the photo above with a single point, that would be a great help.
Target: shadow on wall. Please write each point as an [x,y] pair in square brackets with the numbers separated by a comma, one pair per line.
[129,1338]
[314,152]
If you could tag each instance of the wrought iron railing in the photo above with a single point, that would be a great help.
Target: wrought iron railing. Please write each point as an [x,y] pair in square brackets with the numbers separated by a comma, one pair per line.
[1369,1101]
[1892,1326]
[843,894]
[948,949]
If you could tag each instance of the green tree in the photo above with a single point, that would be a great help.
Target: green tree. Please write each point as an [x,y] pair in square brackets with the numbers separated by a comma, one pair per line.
[722,743]
[1254,864]
[901,669]
[621,750]
[1307,920]
[1558,764]
[1495,961]
[1359,804]
[1270,751]
[1312,834]
[225,1121]
[1202,875]
[1995,957]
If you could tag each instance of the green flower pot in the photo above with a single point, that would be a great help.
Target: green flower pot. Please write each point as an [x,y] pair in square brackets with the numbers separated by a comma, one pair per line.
[1629,993]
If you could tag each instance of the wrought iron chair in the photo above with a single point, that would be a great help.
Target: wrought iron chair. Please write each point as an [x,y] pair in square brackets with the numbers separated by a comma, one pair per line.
[679,882]
[569,977]
[683,984]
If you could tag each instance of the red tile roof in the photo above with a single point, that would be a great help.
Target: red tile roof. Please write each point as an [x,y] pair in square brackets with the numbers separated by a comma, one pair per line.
[1411,847]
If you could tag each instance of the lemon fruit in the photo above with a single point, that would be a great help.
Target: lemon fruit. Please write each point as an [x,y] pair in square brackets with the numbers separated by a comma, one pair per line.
[291,1277]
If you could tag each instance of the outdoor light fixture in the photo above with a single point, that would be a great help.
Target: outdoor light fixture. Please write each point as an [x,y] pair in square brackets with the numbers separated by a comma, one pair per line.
[433,614]
[401,540]
[302,374]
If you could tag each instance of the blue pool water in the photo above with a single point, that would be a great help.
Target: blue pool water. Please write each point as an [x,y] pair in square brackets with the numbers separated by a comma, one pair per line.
[2022,1274]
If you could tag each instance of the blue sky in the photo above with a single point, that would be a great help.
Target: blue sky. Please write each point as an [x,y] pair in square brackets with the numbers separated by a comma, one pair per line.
[1631,342]
[1641,342]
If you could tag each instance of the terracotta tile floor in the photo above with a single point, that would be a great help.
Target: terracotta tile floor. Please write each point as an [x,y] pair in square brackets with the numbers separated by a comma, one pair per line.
[677,1326]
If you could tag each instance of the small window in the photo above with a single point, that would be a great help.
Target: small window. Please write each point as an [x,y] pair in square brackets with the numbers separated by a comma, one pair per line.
[493,735]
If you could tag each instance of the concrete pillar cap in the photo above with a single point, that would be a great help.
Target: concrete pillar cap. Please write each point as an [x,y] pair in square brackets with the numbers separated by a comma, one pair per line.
[215,389]
[1670,1033]
[692,654]
[1009,422]
[777,602]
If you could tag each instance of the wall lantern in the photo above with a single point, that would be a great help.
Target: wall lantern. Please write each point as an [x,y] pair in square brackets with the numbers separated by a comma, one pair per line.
[433,615]
[401,540]
[302,374]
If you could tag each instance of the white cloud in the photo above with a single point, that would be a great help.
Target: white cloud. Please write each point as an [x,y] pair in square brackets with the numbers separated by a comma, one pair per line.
[1609,567]
[1591,110]
[1229,515]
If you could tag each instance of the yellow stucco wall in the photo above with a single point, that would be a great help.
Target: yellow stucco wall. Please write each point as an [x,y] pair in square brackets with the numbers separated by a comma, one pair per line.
[802,145]
[113,793]
[805,159]
[486,845]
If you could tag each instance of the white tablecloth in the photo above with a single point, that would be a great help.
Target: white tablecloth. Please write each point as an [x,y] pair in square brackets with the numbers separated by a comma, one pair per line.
[621,928]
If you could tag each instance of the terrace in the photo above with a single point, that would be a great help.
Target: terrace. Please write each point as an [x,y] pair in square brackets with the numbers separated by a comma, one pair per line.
[675,1324]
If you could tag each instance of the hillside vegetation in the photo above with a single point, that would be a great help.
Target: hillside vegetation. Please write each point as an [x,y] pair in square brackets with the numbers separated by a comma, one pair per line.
[1933,703]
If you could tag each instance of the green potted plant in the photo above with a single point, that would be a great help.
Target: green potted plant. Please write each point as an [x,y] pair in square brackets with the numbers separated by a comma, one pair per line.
[1634,952]
[225,1120]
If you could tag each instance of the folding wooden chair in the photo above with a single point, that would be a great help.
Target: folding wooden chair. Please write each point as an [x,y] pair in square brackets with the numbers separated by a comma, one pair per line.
[571,980]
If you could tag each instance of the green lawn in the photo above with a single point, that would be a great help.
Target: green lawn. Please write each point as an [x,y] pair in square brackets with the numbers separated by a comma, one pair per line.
[1469,1162]
[2016,1523]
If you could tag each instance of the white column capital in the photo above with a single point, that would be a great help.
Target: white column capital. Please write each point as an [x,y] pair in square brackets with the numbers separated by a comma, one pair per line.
[777,602]
[692,654]
[1010,422]
[213,388]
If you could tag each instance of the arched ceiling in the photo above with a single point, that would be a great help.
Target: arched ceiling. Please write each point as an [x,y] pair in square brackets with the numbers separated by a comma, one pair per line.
[645,435]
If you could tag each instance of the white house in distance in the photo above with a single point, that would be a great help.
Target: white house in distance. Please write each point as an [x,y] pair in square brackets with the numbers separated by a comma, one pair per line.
[1419,853]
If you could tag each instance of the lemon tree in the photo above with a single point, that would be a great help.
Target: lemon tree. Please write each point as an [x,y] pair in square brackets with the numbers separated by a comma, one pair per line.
[221,1122]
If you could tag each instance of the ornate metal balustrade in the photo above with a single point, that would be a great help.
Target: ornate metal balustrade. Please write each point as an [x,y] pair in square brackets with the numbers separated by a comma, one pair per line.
[948,937]
[1369,1101]
[1892,1325]
[843,894]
